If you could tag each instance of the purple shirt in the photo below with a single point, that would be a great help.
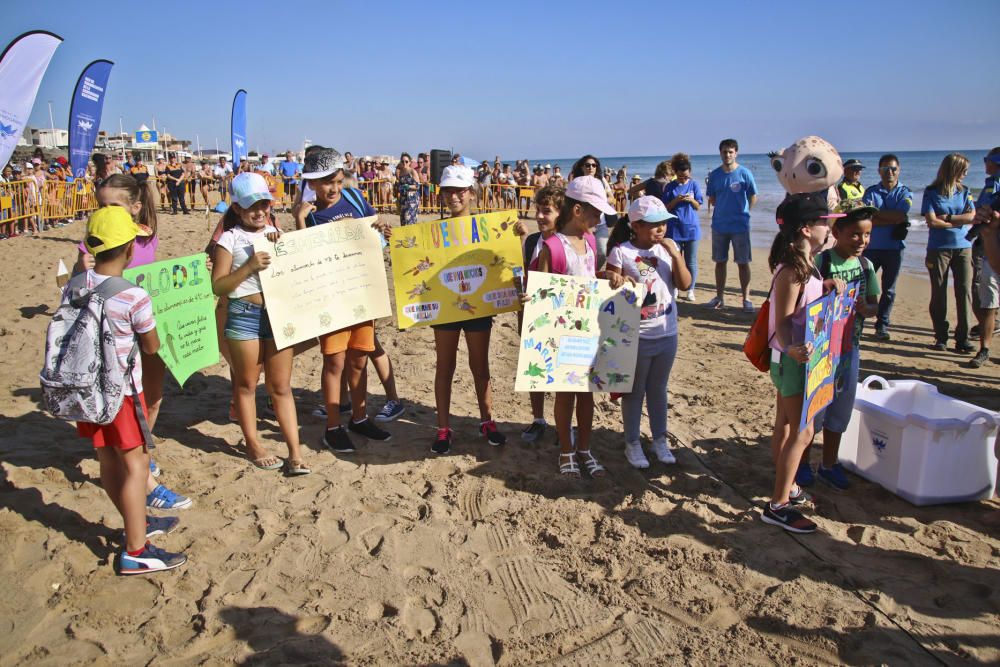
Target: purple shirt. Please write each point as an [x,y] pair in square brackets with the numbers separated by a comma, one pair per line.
[143,253]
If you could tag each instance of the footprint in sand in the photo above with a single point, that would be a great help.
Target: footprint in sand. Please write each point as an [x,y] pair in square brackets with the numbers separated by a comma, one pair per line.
[418,621]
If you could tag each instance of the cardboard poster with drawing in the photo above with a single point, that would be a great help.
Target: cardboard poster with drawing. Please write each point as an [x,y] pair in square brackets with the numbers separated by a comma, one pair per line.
[829,323]
[578,335]
[456,269]
[324,278]
[184,307]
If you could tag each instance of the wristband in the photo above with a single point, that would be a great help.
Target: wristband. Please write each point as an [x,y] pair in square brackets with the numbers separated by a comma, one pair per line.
[947,218]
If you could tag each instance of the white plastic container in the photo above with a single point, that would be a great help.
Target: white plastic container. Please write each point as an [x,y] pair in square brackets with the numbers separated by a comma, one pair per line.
[923,446]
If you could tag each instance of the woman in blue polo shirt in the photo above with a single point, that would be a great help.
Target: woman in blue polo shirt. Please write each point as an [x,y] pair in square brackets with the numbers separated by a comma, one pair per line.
[948,208]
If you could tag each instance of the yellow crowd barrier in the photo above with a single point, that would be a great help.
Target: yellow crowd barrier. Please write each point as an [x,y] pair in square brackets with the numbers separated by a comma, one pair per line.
[18,201]
[58,200]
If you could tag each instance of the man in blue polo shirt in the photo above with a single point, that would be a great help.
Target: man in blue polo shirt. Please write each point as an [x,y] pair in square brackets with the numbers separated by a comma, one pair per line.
[984,294]
[290,170]
[732,192]
[889,228]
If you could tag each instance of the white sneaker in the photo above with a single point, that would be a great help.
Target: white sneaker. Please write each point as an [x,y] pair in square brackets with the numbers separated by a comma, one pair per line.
[691,297]
[663,453]
[635,456]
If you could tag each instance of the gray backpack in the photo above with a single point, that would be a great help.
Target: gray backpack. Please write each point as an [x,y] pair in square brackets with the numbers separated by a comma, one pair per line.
[81,379]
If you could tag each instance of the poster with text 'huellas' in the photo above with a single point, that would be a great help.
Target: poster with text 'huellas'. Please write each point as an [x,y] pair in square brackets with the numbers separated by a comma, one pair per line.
[184,307]
[578,334]
[829,327]
[324,278]
[455,270]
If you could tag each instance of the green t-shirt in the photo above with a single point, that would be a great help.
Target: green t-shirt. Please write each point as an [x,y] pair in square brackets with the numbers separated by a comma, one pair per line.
[850,270]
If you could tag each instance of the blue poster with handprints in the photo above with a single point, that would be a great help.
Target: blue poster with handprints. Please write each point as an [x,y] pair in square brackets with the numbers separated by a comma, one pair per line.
[829,323]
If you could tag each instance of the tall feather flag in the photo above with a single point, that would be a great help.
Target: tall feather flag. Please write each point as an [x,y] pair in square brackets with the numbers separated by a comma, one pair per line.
[22,66]
[85,113]
[238,127]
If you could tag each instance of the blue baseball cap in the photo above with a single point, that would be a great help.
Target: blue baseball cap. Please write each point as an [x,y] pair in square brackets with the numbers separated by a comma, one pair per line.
[648,209]
[250,188]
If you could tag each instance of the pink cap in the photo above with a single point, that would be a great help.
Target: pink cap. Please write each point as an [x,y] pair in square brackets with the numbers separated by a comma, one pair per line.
[589,190]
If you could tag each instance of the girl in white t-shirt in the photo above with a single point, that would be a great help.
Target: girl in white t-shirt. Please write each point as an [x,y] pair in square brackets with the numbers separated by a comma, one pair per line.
[638,250]
[248,331]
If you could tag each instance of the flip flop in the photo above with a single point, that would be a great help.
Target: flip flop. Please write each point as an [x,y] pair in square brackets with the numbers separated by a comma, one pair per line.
[260,463]
[295,468]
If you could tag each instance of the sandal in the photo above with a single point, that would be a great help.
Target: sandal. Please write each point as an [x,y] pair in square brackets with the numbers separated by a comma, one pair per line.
[296,468]
[590,462]
[569,468]
[267,463]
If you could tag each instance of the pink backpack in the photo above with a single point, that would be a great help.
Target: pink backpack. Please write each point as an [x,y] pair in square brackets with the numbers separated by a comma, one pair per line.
[558,254]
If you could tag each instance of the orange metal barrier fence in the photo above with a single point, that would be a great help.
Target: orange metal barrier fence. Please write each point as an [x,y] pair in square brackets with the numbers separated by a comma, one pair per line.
[18,201]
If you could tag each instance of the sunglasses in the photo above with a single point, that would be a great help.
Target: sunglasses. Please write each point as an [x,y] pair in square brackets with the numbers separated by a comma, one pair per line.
[589,165]
[890,170]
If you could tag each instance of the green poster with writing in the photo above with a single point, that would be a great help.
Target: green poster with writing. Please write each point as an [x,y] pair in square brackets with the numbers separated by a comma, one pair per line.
[184,307]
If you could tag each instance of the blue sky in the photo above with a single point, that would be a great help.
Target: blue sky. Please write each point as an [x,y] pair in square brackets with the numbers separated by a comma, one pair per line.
[536,79]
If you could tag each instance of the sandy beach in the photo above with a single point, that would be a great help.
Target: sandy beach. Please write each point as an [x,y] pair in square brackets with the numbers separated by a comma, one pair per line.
[392,556]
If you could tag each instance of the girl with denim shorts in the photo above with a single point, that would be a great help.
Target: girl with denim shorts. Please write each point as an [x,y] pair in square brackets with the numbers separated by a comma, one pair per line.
[248,331]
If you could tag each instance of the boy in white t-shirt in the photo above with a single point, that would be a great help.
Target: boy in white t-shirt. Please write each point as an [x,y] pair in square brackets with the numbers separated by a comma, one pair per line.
[639,250]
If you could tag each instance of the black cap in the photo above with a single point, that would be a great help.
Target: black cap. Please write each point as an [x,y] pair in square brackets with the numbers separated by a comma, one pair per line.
[855,163]
[797,210]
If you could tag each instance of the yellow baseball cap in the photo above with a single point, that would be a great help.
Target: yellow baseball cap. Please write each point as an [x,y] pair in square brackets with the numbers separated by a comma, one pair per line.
[113,227]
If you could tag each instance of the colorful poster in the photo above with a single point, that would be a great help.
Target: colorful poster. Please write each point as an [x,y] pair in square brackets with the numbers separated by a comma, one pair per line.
[829,326]
[578,335]
[184,307]
[324,278]
[455,270]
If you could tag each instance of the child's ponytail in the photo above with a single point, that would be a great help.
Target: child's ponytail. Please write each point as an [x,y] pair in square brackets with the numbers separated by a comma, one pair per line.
[136,193]
[621,233]
[230,218]
[790,250]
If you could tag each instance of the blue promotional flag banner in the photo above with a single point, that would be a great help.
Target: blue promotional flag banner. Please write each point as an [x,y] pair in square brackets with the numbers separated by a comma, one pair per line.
[22,65]
[85,113]
[239,127]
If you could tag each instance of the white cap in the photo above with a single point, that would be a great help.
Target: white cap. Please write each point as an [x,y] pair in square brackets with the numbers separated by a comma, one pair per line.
[648,209]
[589,190]
[457,176]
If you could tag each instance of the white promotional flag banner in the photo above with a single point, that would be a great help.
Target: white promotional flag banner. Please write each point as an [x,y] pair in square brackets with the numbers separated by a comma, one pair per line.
[22,66]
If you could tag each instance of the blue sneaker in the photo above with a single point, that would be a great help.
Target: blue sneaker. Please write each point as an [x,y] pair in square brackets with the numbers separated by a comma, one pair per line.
[834,477]
[154,469]
[162,498]
[391,411]
[158,525]
[151,559]
[804,476]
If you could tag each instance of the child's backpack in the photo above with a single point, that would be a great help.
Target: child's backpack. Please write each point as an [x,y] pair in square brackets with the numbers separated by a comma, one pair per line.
[81,379]
[557,253]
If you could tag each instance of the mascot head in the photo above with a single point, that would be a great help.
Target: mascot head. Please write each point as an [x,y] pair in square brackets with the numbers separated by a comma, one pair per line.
[810,164]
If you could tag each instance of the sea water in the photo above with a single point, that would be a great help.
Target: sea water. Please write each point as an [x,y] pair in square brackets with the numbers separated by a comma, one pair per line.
[917,170]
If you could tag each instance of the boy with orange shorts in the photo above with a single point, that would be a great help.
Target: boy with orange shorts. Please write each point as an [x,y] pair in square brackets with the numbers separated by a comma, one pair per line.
[345,350]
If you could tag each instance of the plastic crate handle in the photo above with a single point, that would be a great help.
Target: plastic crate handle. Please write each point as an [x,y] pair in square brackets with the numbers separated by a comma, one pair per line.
[866,384]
